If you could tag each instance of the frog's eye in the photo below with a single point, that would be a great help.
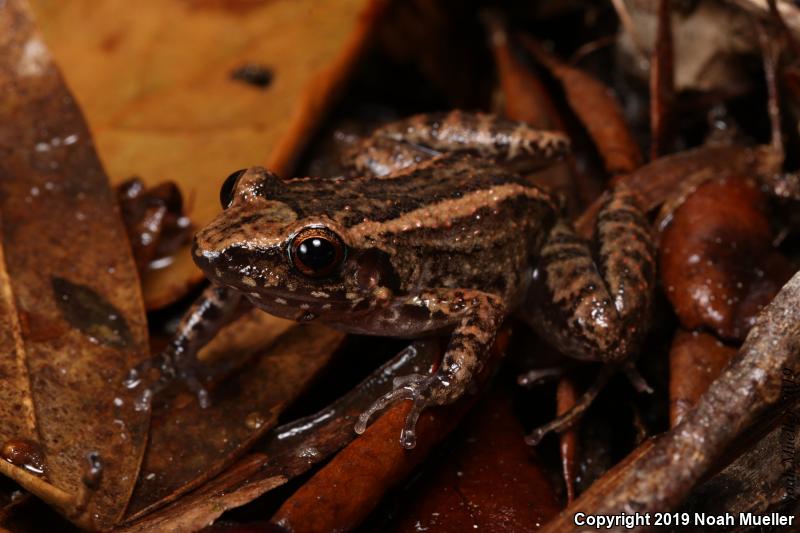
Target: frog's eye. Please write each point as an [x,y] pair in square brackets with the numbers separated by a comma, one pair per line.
[226,192]
[316,252]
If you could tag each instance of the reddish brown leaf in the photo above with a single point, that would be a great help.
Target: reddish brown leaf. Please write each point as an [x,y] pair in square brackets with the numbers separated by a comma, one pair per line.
[598,110]
[72,311]
[524,95]
[369,466]
[525,98]
[491,481]
[695,360]
[716,259]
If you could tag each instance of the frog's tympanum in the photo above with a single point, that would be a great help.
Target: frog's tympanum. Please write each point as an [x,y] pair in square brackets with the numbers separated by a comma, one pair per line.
[431,234]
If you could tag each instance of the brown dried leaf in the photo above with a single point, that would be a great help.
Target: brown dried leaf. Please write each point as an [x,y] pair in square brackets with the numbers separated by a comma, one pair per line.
[158,86]
[284,453]
[695,360]
[597,108]
[525,98]
[716,259]
[73,320]
[524,95]
[189,445]
[491,481]
[371,465]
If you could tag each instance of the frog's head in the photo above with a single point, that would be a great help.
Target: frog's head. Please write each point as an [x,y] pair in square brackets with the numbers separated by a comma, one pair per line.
[283,250]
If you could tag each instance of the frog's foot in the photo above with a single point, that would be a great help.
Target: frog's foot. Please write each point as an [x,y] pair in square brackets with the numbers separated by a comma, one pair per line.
[568,419]
[422,390]
[157,373]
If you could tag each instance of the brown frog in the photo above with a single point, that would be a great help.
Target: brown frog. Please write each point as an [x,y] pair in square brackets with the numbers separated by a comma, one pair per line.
[431,234]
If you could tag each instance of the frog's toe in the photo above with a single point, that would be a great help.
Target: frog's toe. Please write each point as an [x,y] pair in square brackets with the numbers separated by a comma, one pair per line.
[159,372]
[420,389]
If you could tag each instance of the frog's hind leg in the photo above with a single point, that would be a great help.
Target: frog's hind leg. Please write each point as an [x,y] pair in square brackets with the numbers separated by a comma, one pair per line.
[406,142]
[476,316]
[596,309]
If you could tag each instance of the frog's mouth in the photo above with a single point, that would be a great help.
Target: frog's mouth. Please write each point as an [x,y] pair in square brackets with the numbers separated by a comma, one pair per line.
[303,307]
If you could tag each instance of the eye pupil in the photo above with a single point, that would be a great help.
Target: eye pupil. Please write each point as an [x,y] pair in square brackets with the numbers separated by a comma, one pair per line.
[226,191]
[317,252]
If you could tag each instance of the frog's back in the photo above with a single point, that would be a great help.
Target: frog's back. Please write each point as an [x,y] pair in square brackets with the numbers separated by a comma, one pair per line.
[452,221]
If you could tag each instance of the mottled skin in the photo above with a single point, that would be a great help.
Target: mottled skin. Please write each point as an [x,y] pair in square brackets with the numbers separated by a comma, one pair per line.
[435,235]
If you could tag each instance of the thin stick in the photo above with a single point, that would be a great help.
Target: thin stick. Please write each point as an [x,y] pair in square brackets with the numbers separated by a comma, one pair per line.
[770,55]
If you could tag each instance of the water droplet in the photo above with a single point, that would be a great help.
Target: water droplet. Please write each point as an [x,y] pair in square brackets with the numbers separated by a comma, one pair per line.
[142,403]
[254,421]
[408,439]
[309,453]
[94,470]
[24,454]
[133,380]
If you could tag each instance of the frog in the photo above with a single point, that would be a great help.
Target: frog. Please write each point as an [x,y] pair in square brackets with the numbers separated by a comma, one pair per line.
[429,231]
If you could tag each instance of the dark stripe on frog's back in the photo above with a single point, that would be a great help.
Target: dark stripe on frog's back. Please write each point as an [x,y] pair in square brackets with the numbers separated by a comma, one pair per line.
[350,201]
[495,260]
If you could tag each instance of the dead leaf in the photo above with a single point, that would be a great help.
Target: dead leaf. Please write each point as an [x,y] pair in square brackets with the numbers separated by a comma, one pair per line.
[189,445]
[596,107]
[159,88]
[285,452]
[490,480]
[525,98]
[716,259]
[73,320]
[372,464]
[695,360]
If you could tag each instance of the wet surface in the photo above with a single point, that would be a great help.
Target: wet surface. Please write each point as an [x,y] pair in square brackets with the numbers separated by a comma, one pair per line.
[89,312]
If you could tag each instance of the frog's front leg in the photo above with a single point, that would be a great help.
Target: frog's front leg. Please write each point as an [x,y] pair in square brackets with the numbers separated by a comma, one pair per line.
[214,308]
[595,308]
[475,318]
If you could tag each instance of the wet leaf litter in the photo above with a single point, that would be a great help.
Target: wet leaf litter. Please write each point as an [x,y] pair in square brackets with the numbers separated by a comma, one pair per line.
[709,153]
